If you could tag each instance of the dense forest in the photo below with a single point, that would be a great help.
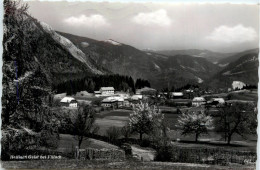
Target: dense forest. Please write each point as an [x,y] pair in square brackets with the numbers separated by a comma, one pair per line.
[91,84]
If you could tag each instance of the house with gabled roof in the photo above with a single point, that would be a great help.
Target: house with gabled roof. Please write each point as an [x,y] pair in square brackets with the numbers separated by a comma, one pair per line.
[69,102]
[106,91]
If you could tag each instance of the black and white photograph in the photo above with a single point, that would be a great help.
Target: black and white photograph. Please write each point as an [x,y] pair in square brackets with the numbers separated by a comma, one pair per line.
[120,84]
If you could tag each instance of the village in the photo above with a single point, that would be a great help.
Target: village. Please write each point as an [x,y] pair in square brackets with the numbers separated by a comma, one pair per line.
[113,109]
[109,98]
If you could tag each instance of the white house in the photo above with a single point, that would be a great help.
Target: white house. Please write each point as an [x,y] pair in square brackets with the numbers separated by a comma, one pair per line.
[124,95]
[176,95]
[106,91]
[238,85]
[198,101]
[97,93]
[219,100]
[69,102]
[137,97]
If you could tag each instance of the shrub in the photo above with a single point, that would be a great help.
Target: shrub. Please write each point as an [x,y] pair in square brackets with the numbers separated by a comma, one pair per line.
[125,131]
[145,142]
[113,133]
[164,154]
[127,148]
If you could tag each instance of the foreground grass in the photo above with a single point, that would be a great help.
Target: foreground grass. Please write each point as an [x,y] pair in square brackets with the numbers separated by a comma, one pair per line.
[104,164]
[68,142]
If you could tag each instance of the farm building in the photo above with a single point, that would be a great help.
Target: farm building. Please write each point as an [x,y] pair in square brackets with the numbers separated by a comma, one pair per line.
[69,102]
[198,101]
[97,93]
[176,95]
[216,102]
[124,95]
[238,85]
[108,103]
[137,97]
[126,103]
[220,100]
[145,91]
[106,91]
[114,101]
[83,93]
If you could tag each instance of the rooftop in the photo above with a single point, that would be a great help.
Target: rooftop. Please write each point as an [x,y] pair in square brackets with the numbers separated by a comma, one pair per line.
[107,88]
[67,99]
[177,93]
[199,99]
[113,99]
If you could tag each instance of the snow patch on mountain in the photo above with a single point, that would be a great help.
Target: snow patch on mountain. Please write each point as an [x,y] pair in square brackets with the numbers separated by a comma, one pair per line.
[156,66]
[193,69]
[202,54]
[247,61]
[223,65]
[182,66]
[112,42]
[228,73]
[84,44]
[199,80]
[67,44]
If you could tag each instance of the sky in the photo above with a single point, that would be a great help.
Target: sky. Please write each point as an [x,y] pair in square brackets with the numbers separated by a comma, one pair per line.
[220,27]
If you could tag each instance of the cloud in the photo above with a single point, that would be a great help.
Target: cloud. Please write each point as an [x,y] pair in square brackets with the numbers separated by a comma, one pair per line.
[236,34]
[159,18]
[95,20]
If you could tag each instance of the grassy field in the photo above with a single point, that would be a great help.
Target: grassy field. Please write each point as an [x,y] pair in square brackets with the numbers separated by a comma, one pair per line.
[106,164]
[119,118]
[167,109]
[246,95]
[67,142]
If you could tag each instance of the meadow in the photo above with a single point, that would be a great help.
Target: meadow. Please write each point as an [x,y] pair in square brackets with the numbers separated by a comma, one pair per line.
[119,118]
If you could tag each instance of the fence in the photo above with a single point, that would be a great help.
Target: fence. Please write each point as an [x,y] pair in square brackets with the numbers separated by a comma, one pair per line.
[212,156]
[100,154]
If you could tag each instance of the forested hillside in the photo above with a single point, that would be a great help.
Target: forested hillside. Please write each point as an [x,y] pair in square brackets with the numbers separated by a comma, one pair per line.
[160,70]
[33,60]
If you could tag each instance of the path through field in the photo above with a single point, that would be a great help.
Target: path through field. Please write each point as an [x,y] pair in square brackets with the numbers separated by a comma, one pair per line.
[143,153]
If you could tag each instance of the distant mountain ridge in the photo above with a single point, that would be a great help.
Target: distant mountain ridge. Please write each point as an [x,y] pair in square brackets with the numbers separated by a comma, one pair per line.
[234,57]
[211,56]
[161,70]
[244,69]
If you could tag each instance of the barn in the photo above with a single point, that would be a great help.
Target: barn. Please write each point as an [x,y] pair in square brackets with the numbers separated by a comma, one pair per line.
[69,102]
[198,101]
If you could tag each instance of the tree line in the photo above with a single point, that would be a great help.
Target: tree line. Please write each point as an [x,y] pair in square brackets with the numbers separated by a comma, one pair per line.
[91,84]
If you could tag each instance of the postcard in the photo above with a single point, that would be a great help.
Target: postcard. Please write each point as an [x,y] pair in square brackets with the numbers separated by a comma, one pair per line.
[119,84]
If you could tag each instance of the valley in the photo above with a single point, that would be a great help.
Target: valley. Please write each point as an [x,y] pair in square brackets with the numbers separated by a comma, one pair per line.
[100,103]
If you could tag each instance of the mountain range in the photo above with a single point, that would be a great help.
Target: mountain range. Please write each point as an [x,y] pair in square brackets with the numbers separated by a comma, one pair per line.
[211,56]
[244,69]
[65,57]
[165,68]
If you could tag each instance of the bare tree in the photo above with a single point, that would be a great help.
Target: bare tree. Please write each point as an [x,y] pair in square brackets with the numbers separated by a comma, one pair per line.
[84,124]
[239,118]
